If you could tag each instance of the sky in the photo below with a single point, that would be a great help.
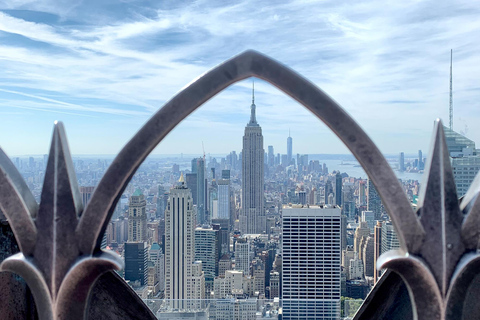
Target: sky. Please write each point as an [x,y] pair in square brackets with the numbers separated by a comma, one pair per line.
[104,67]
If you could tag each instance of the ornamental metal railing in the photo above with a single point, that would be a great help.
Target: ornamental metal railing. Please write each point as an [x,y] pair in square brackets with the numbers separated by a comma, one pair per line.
[62,263]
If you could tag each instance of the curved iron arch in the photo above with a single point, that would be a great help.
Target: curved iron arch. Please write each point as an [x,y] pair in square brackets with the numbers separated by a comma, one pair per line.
[250,63]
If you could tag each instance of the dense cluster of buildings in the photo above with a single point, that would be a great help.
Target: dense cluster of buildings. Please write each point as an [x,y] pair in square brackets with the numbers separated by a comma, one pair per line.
[252,235]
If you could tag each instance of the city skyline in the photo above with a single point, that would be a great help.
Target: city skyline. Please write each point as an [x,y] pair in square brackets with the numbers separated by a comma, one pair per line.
[104,75]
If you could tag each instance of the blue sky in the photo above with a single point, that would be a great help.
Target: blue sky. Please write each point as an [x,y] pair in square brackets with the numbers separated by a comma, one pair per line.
[104,67]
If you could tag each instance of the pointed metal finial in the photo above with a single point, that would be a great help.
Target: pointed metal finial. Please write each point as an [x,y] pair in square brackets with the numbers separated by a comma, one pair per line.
[181,180]
[59,275]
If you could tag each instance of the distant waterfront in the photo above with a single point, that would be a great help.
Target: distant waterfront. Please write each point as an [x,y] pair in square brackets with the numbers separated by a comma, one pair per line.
[338,162]
[353,168]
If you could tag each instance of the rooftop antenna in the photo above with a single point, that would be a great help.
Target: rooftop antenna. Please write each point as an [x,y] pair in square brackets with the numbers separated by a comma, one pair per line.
[253,120]
[451,95]
[253,91]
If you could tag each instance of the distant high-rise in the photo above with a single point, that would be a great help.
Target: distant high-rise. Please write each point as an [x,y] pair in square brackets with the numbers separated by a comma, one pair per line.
[362,198]
[420,160]
[179,245]
[289,148]
[252,217]
[368,251]
[464,158]
[86,193]
[201,194]
[198,286]
[401,162]
[311,280]
[226,174]
[155,254]
[389,237]
[243,255]
[160,202]
[207,250]
[137,218]
[223,199]
[136,259]
[377,249]
[271,156]
[338,189]
[258,272]
[369,218]
[361,232]
[191,181]
[212,209]
[274,284]
[374,203]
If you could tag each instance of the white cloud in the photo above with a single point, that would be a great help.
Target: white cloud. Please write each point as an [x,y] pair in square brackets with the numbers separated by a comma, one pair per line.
[386,63]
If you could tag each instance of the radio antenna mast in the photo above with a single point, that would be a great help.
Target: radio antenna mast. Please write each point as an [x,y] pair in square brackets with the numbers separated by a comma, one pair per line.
[451,94]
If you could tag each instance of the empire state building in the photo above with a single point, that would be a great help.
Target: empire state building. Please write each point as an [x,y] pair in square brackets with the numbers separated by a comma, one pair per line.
[252,217]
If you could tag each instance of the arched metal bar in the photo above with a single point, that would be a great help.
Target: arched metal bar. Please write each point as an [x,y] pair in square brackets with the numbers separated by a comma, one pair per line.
[77,284]
[461,283]
[248,64]
[25,268]
[427,301]
[18,204]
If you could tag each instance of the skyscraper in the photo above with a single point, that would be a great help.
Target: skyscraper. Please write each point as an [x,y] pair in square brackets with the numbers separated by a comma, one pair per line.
[252,218]
[201,194]
[369,218]
[464,158]
[160,203]
[311,280]
[223,199]
[86,193]
[401,162]
[207,250]
[155,254]
[289,149]
[137,217]
[338,189]
[374,203]
[389,239]
[191,181]
[243,255]
[420,160]
[377,249]
[271,156]
[179,245]
[136,257]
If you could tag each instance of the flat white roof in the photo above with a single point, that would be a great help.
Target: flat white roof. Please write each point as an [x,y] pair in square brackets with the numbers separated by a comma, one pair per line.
[312,211]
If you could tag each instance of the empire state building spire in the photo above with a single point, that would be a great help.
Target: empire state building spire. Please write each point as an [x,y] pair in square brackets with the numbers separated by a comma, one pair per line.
[253,120]
[252,216]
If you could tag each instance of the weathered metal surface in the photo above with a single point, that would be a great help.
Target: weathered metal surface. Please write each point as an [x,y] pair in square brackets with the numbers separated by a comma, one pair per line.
[113,299]
[16,300]
[470,205]
[110,298]
[440,274]
[388,300]
[59,277]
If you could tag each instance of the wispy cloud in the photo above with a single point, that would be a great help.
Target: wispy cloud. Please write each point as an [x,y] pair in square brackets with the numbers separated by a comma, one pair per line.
[388,65]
